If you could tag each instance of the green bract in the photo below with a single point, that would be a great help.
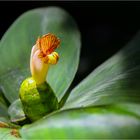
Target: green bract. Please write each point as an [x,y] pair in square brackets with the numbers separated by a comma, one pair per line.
[37,101]
[104,105]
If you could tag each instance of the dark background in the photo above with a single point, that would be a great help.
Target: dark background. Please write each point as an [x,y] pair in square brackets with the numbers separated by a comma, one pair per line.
[105,26]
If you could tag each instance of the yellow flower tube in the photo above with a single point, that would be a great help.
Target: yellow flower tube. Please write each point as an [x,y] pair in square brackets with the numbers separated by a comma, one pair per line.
[42,55]
[36,95]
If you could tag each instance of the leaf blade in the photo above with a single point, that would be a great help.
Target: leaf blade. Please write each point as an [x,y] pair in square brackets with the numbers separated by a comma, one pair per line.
[6,134]
[3,107]
[16,112]
[99,122]
[116,80]
[21,37]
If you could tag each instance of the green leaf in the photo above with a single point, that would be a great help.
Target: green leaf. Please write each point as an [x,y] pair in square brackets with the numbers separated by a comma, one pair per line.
[16,46]
[5,123]
[16,111]
[3,110]
[116,80]
[133,108]
[8,134]
[3,106]
[99,122]
[4,116]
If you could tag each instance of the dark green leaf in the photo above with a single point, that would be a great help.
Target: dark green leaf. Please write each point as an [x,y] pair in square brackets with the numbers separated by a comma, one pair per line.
[116,80]
[17,42]
[3,110]
[3,106]
[99,122]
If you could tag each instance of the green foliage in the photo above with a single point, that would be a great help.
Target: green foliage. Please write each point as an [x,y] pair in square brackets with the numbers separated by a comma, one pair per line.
[116,80]
[104,105]
[16,112]
[8,134]
[3,106]
[97,122]
[20,38]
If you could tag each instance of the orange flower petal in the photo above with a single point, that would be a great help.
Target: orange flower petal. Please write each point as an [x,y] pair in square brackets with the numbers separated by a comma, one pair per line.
[47,44]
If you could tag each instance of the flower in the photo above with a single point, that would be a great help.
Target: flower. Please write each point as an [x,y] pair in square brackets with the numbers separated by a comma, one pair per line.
[42,55]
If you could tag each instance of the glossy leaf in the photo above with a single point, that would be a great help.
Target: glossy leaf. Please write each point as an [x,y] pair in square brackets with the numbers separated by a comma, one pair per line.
[16,111]
[8,134]
[99,122]
[4,116]
[16,46]
[116,80]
